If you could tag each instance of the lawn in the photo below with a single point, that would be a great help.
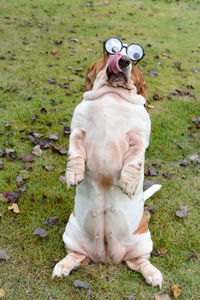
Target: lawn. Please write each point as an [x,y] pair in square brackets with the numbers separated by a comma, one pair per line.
[45,50]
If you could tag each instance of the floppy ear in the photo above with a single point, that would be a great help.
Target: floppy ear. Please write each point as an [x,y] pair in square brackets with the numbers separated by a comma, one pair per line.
[90,77]
[93,70]
[139,81]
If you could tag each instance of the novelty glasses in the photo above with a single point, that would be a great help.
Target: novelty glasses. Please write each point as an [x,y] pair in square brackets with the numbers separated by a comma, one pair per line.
[134,51]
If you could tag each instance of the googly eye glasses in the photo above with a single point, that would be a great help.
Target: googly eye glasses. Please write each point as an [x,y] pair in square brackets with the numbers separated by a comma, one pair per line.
[134,51]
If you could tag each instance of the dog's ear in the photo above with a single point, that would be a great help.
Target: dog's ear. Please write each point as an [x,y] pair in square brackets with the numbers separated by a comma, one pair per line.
[93,70]
[90,77]
[139,81]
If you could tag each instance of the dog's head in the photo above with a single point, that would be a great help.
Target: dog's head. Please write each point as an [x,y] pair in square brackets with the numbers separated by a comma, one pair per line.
[119,67]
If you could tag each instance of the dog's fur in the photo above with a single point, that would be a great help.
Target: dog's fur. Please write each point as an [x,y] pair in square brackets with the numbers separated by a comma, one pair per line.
[109,134]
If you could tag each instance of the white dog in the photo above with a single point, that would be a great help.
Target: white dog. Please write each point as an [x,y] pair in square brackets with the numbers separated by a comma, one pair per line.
[110,132]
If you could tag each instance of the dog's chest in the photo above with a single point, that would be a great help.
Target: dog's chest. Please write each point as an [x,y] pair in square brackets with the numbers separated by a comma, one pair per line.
[106,122]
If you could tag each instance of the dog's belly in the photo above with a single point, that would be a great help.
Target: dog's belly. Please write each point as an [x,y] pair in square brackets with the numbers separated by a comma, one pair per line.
[105,218]
[104,221]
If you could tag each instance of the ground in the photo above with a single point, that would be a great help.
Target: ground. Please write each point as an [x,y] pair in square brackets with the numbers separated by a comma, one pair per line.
[43,41]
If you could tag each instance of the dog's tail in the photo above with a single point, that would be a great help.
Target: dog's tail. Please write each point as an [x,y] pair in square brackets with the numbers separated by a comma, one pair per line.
[152,190]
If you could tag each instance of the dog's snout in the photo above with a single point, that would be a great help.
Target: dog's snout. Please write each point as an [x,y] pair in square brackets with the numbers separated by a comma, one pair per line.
[124,61]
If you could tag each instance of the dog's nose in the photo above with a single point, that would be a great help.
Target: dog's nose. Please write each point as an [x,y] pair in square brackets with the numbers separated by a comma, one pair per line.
[124,61]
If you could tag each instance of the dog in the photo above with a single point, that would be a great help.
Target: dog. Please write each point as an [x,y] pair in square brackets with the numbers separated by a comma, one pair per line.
[110,132]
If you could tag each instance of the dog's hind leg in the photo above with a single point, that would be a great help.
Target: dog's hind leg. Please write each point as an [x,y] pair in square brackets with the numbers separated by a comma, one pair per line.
[67,264]
[151,274]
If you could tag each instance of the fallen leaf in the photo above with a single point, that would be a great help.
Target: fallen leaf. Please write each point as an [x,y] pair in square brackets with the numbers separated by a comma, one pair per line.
[150,209]
[62,179]
[73,39]
[150,106]
[166,55]
[2,153]
[148,183]
[8,150]
[37,150]
[32,198]
[166,175]
[51,221]
[40,231]
[4,255]
[6,124]
[192,256]
[59,151]
[81,284]
[184,163]
[14,207]
[3,198]
[195,157]
[160,252]
[48,168]
[28,158]
[152,172]
[55,53]
[183,212]
[130,297]
[176,290]
[12,196]
[51,80]
[2,293]
[53,137]
[64,85]
[162,297]
[27,167]
[37,135]
[66,131]
[58,42]
[19,181]
[43,110]
[156,97]
[147,215]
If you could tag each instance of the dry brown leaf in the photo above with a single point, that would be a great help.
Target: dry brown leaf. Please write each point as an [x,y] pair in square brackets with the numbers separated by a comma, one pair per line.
[150,106]
[176,290]
[14,207]
[162,297]
[2,293]
[162,251]
[2,198]
[147,215]
[183,212]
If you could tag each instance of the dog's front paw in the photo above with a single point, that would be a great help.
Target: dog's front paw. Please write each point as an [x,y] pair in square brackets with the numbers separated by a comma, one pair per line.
[154,277]
[128,186]
[61,270]
[73,178]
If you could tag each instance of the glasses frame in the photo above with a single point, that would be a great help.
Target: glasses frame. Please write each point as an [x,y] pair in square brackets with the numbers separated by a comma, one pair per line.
[123,46]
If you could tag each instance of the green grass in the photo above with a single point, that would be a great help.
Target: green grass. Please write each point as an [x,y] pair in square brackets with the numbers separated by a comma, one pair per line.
[28,31]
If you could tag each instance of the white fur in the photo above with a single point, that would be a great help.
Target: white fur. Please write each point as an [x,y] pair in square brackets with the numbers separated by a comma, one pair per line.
[109,121]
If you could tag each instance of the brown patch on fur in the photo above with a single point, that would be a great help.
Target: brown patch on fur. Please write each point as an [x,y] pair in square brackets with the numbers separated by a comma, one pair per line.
[104,182]
[73,212]
[139,81]
[143,226]
[93,70]
[86,261]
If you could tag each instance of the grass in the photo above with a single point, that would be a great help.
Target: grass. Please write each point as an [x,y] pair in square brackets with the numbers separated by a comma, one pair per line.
[28,31]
